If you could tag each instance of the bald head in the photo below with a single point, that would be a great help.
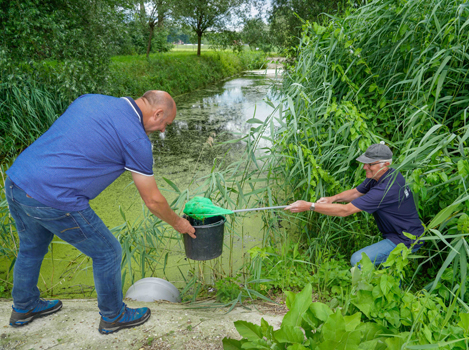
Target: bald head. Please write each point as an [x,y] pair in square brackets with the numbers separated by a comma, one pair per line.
[160,99]
[158,110]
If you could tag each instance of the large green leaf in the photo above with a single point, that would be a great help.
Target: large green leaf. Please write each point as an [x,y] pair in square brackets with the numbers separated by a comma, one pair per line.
[371,330]
[257,344]
[289,334]
[334,327]
[232,344]
[464,323]
[267,330]
[363,301]
[298,307]
[397,342]
[318,312]
[353,321]
[297,347]
[368,345]
[290,299]
[342,341]
[248,330]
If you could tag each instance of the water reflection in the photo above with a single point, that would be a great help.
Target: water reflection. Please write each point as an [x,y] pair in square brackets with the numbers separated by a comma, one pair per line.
[215,114]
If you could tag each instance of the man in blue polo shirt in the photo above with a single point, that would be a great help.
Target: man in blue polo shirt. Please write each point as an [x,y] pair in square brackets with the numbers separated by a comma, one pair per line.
[384,194]
[50,184]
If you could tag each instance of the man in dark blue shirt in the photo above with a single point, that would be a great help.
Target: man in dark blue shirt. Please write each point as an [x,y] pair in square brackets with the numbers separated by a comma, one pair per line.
[384,194]
[50,184]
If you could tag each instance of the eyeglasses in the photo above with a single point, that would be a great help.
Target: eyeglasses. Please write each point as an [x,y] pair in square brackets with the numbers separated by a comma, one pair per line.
[371,164]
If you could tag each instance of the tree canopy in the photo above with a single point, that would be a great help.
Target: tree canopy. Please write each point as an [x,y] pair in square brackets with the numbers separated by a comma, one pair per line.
[205,15]
[286,17]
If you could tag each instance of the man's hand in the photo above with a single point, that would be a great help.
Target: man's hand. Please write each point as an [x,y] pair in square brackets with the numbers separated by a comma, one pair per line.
[325,200]
[183,226]
[299,206]
[158,205]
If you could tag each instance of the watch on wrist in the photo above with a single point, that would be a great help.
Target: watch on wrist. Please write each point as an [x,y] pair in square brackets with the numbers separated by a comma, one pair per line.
[312,206]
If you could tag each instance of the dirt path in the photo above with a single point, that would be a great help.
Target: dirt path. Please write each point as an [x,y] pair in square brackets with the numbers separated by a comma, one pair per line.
[171,326]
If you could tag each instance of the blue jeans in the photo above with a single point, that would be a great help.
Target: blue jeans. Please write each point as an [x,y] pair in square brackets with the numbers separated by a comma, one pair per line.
[378,252]
[37,224]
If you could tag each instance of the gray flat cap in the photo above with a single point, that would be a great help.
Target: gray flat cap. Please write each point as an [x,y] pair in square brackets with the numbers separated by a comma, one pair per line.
[377,151]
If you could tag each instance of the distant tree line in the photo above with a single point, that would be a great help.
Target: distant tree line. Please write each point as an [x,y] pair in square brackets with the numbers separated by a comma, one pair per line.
[95,29]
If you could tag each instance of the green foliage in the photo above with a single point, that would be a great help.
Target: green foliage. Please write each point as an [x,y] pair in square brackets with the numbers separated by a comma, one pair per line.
[257,35]
[287,17]
[287,268]
[379,89]
[50,53]
[8,239]
[228,289]
[226,40]
[377,314]
[175,72]
[5,290]
[205,15]
[383,71]
[160,41]
[332,278]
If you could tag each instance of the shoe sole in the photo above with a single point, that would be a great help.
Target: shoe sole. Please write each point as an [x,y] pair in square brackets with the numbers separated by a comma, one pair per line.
[25,321]
[132,324]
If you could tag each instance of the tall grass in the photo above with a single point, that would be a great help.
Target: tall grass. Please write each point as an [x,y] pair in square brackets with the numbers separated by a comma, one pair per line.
[26,111]
[393,71]
[8,240]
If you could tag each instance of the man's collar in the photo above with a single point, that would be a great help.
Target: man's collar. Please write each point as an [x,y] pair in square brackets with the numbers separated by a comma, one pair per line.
[135,107]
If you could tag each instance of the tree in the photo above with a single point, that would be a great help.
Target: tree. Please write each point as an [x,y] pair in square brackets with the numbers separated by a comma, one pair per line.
[256,34]
[152,14]
[284,19]
[205,15]
[59,29]
[79,36]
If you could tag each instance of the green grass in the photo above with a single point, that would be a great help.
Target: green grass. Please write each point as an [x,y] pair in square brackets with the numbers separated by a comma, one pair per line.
[191,48]
[176,72]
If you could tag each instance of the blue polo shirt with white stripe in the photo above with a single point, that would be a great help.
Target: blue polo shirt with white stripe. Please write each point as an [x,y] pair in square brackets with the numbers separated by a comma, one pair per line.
[84,151]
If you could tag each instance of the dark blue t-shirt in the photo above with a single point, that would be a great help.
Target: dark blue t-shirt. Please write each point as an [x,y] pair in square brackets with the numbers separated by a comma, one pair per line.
[391,202]
[84,151]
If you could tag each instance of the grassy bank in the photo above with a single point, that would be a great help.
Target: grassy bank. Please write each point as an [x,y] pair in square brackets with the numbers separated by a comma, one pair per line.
[177,72]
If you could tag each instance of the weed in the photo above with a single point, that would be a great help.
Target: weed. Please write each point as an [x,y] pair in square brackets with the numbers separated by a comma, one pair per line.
[377,314]
[228,289]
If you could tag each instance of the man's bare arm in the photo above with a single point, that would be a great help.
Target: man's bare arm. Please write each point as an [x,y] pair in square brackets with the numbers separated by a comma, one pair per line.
[158,205]
[346,196]
[326,209]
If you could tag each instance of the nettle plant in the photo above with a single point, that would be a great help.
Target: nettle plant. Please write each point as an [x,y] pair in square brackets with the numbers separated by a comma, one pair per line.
[378,314]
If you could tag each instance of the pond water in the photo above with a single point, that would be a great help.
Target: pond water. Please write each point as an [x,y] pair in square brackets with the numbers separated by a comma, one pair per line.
[185,151]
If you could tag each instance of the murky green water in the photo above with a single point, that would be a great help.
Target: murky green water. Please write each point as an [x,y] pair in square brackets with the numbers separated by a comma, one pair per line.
[186,151]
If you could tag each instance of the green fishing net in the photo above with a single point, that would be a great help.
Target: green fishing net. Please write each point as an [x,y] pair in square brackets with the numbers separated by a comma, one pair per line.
[201,207]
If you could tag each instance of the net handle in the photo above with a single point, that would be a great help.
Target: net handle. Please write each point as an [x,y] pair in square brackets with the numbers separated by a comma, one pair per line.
[263,208]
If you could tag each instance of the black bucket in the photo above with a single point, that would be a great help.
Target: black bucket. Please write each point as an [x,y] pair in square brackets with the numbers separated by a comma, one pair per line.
[209,242]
